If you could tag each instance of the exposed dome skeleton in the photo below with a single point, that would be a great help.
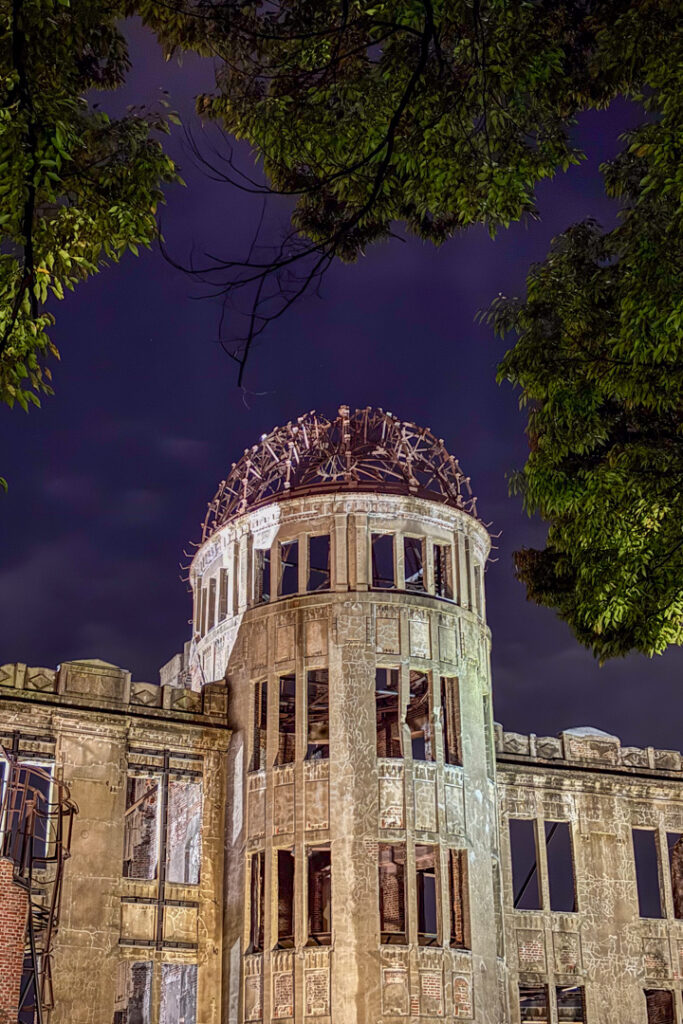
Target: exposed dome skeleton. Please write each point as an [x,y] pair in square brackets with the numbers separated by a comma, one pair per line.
[368,449]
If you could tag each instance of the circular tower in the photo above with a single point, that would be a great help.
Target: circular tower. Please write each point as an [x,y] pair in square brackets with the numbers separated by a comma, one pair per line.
[340,588]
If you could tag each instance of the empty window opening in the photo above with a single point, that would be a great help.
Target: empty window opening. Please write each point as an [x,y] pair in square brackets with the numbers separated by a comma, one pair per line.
[212,604]
[392,896]
[660,1006]
[178,994]
[413,562]
[468,571]
[558,844]
[427,897]
[646,857]
[285,899]
[261,575]
[478,591]
[459,906]
[198,606]
[443,571]
[570,1004]
[260,720]
[675,845]
[256,902]
[289,568]
[318,709]
[184,842]
[319,563]
[223,595]
[458,573]
[450,719]
[418,717]
[286,741]
[133,998]
[387,707]
[524,869]
[319,896]
[202,627]
[533,1004]
[383,569]
[141,828]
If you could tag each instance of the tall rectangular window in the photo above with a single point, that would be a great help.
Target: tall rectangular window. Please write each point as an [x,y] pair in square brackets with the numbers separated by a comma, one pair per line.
[212,603]
[427,895]
[318,563]
[413,562]
[261,575]
[674,842]
[184,842]
[459,902]
[178,994]
[286,747]
[383,566]
[570,1004]
[133,997]
[468,572]
[660,1006]
[141,827]
[260,722]
[392,892]
[478,590]
[319,896]
[533,1004]
[450,719]
[223,595]
[318,711]
[387,713]
[285,899]
[646,857]
[204,609]
[443,570]
[256,901]
[558,844]
[526,895]
[289,568]
[418,717]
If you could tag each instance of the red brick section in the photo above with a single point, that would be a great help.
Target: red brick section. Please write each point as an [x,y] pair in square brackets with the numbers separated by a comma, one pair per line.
[13,916]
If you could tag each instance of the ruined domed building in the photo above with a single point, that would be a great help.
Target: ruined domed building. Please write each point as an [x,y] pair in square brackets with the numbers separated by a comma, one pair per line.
[313,819]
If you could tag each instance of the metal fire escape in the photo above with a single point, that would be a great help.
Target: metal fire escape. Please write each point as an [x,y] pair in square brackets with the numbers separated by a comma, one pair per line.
[36,819]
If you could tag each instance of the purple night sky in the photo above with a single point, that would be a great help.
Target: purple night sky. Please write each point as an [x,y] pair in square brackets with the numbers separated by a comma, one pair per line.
[110,480]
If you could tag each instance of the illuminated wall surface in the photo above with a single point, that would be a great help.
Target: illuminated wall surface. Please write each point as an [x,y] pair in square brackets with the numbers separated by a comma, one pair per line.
[314,817]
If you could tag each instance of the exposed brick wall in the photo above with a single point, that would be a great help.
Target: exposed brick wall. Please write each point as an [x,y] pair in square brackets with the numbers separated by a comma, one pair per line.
[13,916]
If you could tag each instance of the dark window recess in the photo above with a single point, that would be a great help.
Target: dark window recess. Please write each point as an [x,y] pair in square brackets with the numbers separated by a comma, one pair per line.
[524,867]
[383,572]
[289,569]
[558,844]
[184,841]
[29,779]
[675,845]
[285,899]
[212,603]
[392,892]
[318,563]
[178,994]
[570,1004]
[260,720]
[533,1004]
[386,706]
[458,575]
[286,741]
[202,626]
[318,710]
[647,873]
[133,1004]
[223,595]
[319,897]
[256,902]
[413,563]
[459,906]
[417,717]
[478,591]
[660,1006]
[141,828]
[425,877]
[468,572]
[261,575]
[443,571]
[450,718]
[198,607]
